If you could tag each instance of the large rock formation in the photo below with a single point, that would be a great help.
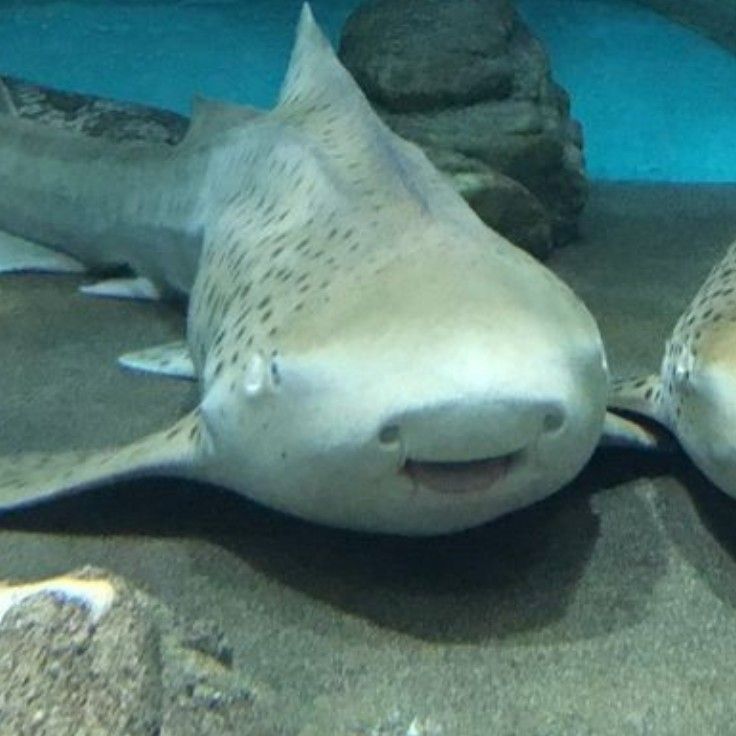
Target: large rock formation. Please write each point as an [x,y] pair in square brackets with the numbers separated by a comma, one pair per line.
[468,82]
[93,115]
[715,19]
[486,111]
[89,654]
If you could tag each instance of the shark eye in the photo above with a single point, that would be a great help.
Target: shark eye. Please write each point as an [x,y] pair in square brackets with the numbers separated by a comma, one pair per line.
[261,374]
[254,380]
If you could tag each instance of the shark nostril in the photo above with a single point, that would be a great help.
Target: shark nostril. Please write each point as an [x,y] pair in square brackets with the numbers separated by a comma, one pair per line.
[553,420]
[389,435]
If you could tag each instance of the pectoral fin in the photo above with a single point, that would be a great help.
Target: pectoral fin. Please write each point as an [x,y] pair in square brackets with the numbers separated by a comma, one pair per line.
[640,395]
[172,360]
[18,255]
[32,478]
[619,431]
[132,288]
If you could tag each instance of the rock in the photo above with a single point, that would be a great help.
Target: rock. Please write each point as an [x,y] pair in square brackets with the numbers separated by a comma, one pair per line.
[502,201]
[386,45]
[507,206]
[74,664]
[95,116]
[715,19]
[468,82]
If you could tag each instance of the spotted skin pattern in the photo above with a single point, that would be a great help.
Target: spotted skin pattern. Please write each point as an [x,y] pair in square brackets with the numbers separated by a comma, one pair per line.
[369,354]
[694,395]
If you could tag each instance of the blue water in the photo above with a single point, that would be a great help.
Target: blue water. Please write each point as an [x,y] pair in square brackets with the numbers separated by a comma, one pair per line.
[656,100]
[159,54]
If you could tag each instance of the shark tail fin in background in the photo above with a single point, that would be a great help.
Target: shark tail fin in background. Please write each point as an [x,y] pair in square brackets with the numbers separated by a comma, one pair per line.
[35,477]
[218,116]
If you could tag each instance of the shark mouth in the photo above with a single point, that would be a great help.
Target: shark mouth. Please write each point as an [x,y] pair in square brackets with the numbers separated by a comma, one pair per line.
[459,477]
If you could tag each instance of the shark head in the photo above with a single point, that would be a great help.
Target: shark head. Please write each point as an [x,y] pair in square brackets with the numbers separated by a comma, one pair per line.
[694,394]
[430,395]
[373,356]
[699,377]
[707,421]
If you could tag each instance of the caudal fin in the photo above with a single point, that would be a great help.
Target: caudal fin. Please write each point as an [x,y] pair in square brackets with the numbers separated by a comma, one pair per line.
[35,477]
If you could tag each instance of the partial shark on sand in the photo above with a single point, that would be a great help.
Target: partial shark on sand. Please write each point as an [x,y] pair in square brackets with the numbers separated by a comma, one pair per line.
[369,354]
[71,202]
[694,393]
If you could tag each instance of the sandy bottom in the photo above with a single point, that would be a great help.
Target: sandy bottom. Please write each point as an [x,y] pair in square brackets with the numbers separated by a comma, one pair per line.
[608,609]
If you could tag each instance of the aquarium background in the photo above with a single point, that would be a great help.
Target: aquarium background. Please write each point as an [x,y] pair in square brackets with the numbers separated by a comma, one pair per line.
[655,99]
[608,609]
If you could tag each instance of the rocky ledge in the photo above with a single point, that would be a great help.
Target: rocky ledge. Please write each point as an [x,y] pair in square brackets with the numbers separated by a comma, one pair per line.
[469,83]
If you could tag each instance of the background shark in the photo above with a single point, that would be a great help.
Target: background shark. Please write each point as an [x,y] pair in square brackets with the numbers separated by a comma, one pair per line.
[694,394]
[71,202]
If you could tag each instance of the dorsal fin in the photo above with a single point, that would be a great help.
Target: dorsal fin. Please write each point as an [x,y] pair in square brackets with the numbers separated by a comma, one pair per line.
[315,74]
[7,107]
[215,116]
[321,94]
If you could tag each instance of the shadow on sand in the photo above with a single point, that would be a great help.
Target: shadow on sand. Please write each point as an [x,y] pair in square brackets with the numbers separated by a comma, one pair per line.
[520,575]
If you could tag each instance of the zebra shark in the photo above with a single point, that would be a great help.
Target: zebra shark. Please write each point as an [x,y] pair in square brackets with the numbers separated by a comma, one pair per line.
[369,354]
[694,394]
[72,203]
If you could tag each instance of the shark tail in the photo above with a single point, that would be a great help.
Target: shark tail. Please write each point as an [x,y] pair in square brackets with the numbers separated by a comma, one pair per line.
[35,477]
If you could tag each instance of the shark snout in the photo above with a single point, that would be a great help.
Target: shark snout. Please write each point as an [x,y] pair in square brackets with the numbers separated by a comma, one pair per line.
[468,430]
